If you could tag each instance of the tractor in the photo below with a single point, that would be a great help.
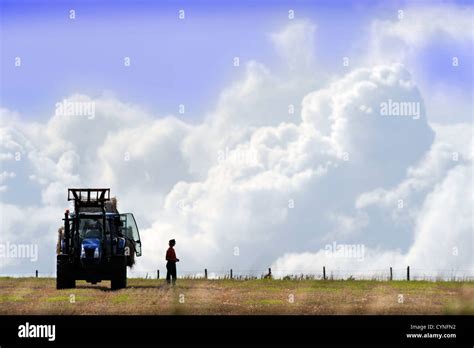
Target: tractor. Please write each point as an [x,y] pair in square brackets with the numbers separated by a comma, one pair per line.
[96,242]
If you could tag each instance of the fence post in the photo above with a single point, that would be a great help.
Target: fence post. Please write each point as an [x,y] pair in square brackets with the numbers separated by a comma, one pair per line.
[324,272]
[36,273]
[391,274]
[408,272]
[157,274]
[205,273]
[231,275]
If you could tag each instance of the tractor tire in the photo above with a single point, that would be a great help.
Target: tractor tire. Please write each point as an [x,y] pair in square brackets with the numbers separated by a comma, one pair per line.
[119,273]
[64,273]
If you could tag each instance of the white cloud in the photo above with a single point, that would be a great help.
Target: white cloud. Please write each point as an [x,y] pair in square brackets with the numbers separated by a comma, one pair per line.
[400,40]
[373,262]
[444,227]
[296,44]
[427,40]
[245,205]
[5,176]
[437,195]
[452,146]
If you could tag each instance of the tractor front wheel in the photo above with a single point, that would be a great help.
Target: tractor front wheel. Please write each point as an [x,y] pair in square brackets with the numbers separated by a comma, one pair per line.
[64,274]
[119,273]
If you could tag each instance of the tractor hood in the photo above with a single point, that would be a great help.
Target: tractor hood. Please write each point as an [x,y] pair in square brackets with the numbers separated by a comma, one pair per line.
[90,248]
[90,243]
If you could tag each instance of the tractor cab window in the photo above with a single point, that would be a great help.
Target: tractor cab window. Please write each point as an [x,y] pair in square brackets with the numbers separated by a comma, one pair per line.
[130,231]
[90,228]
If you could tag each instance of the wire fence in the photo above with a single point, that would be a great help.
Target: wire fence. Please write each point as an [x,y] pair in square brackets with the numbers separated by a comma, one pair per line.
[324,273]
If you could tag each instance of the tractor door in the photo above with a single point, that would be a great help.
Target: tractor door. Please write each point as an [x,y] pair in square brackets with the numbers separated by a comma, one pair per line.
[130,230]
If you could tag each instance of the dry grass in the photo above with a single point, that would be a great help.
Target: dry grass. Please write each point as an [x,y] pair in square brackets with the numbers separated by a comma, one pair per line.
[263,296]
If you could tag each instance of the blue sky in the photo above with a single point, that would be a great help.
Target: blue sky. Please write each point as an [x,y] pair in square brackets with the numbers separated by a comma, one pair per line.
[173,62]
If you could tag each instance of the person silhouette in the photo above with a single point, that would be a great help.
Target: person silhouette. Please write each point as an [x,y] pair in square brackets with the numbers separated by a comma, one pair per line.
[171,263]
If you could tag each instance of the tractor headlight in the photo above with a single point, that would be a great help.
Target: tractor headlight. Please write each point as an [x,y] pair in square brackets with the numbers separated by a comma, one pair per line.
[96,253]
[83,253]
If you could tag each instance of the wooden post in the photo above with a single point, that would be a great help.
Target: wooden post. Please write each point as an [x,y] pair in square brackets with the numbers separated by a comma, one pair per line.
[36,273]
[324,272]
[408,272]
[157,274]
[391,274]
[205,273]
[231,275]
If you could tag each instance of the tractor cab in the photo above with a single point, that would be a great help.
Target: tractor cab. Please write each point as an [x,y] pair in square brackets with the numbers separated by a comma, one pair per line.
[97,242]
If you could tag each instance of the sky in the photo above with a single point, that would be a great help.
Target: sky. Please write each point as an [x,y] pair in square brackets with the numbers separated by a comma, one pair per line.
[172,61]
[271,162]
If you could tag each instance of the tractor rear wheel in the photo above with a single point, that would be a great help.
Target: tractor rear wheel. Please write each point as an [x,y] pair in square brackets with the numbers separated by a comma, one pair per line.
[64,273]
[119,273]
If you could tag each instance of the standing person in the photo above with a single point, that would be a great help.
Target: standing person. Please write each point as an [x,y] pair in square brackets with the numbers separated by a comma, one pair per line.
[171,264]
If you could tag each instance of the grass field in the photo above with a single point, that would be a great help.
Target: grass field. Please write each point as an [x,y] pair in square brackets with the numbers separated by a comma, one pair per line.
[263,296]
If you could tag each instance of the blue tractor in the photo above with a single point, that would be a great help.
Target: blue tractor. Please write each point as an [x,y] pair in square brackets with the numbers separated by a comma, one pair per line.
[97,242]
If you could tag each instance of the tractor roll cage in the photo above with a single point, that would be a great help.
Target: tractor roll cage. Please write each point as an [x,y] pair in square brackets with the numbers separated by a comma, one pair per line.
[95,197]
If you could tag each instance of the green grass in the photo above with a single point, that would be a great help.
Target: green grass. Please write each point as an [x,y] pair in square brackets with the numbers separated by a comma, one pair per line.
[226,296]
[58,299]
[122,298]
[11,298]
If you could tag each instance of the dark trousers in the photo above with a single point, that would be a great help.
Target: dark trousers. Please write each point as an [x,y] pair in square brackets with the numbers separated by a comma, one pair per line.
[171,272]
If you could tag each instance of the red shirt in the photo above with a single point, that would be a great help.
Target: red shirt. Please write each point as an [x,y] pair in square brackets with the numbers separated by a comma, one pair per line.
[171,255]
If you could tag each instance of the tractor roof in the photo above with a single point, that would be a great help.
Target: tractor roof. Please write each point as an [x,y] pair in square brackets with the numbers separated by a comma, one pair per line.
[88,197]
